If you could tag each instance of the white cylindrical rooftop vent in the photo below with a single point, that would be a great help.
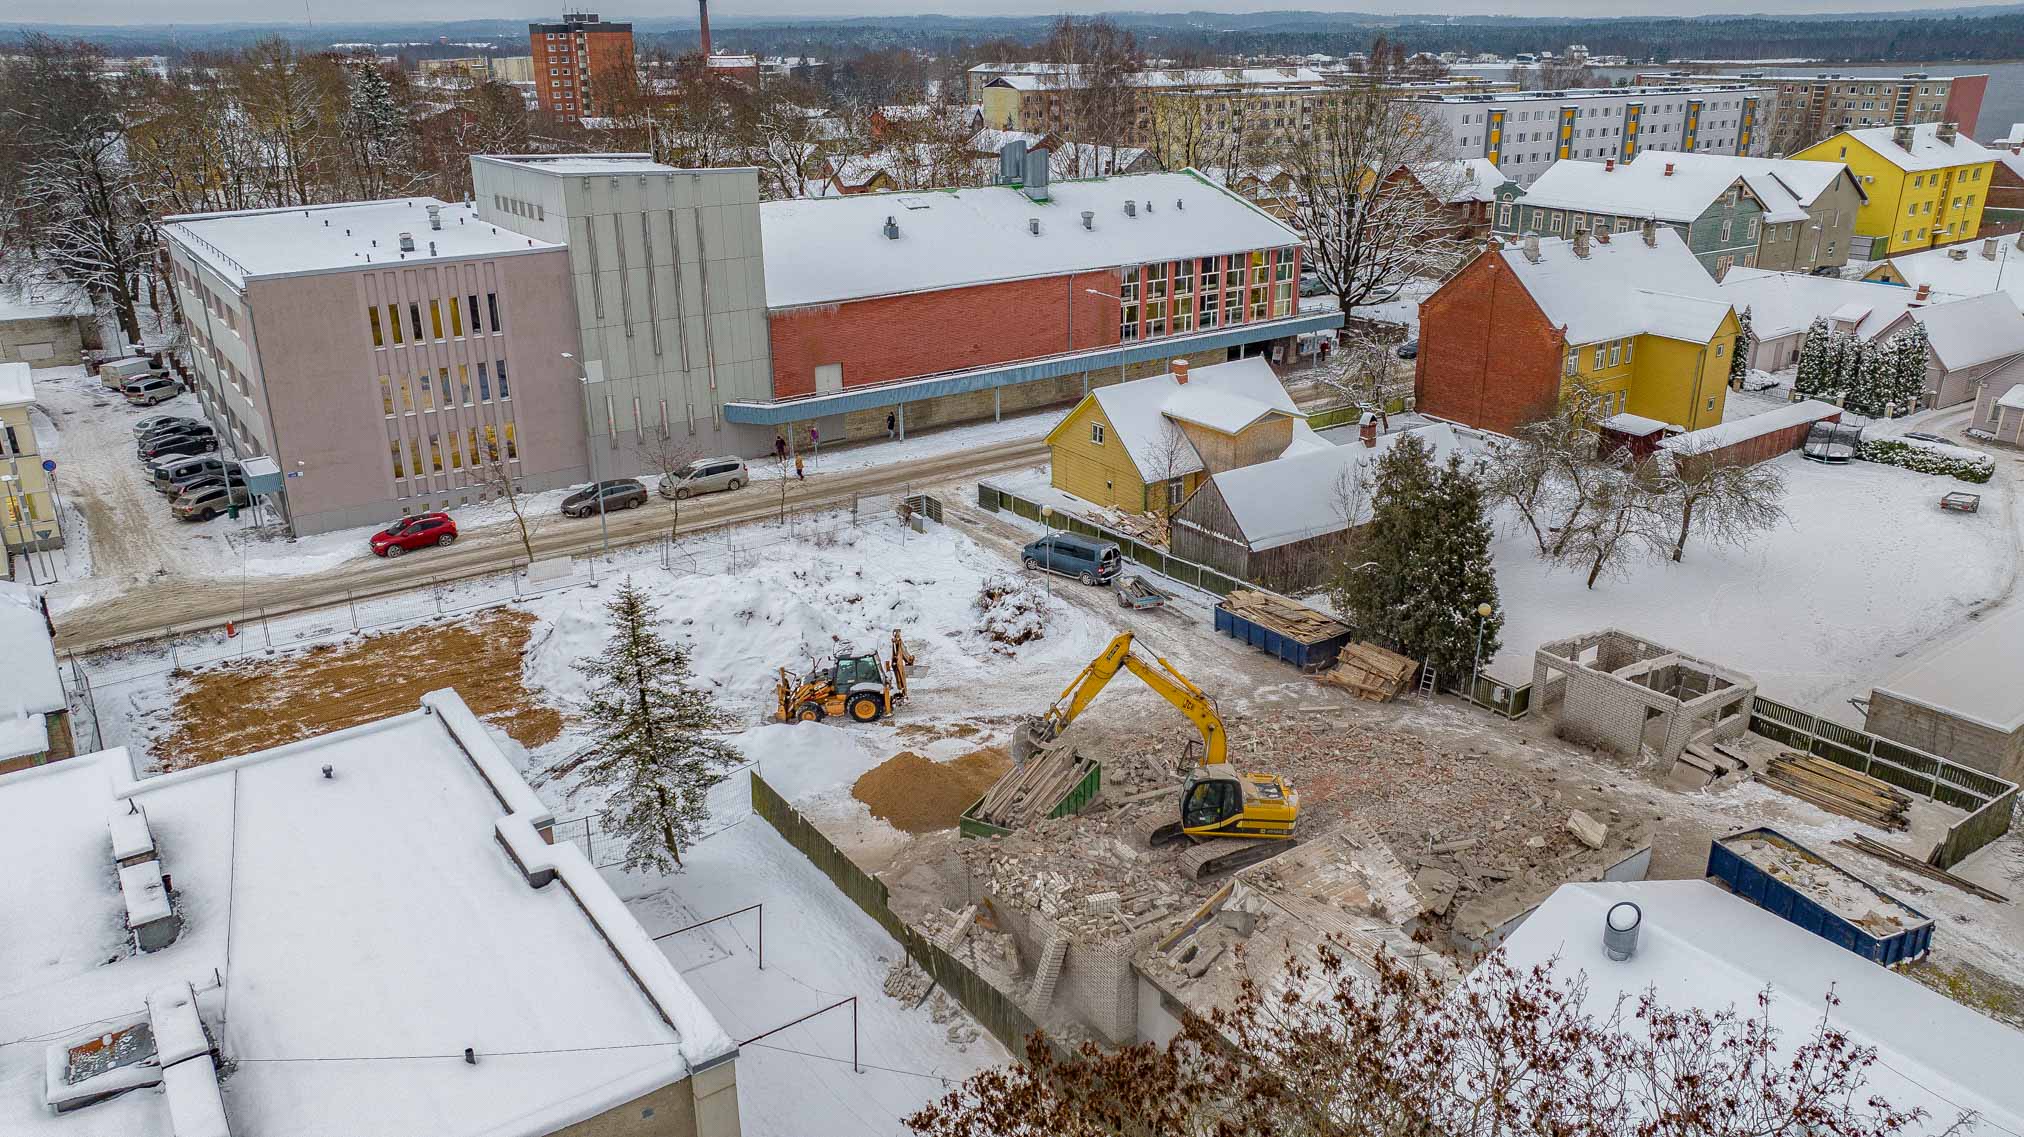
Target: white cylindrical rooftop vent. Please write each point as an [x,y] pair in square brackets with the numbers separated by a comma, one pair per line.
[1089,220]
[1619,930]
[1033,226]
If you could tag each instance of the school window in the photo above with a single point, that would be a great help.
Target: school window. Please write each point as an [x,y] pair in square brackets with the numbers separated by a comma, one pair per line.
[1096,434]
[475,329]
[464,383]
[484,382]
[1600,354]
[512,447]
[456,318]
[1753,228]
[499,369]
[407,396]
[387,395]
[1556,224]
[1615,354]
[415,456]
[394,323]
[456,452]
[395,448]
[1726,228]
[1626,349]
[1504,216]
[436,317]
[372,316]
[428,395]
[415,319]
[1212,276]
[492,310]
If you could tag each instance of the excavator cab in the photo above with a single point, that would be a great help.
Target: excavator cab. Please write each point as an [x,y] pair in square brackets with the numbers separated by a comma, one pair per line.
[1220,802]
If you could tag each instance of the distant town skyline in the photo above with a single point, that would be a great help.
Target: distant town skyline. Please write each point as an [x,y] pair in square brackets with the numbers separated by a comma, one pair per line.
[158,12]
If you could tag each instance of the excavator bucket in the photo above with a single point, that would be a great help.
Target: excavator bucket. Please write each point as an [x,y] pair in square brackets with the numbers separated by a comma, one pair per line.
[1033,738]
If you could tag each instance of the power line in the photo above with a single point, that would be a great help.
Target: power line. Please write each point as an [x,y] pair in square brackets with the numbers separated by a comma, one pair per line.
[459,1056]
[942,1078]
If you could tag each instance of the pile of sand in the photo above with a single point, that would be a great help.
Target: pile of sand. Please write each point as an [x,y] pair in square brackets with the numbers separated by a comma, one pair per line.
[917,795]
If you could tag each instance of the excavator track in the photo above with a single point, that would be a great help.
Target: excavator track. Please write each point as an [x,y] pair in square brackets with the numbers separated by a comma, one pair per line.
[1220,855]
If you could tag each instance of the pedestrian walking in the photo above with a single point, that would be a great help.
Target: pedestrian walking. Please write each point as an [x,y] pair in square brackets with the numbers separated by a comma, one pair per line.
[892,425]
[798,475]
[780,447]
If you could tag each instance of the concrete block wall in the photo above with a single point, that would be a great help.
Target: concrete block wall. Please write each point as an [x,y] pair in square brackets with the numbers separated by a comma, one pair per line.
[1971,744]
[1608,704]
[1098,986]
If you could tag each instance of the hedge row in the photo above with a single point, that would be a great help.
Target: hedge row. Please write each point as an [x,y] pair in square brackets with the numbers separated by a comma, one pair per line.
[1978,468]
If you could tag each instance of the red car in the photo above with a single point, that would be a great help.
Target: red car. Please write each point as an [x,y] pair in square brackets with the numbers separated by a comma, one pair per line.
[415,532]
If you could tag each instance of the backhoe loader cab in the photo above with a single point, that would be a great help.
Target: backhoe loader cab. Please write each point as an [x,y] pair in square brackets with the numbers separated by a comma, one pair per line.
[857,684]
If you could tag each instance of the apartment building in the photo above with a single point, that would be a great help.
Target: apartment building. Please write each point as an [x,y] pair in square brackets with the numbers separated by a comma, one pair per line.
[664,290]
[1525,132]
[28,519]
[1755,212]
[573,57]
[1629,319]
[1926,185]
[391,356]
[1811,107]
[966,304]
[1189,116]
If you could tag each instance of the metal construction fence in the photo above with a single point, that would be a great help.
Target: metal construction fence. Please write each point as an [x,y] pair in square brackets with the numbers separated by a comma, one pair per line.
[1990,800]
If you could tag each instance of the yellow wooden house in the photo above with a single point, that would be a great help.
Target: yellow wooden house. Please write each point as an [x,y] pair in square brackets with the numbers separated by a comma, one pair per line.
[1926,184]
[1144,445]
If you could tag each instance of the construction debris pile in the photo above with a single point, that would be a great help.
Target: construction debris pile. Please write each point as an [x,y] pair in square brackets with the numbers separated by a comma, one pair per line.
[1010,612]
[1369,672]
[971,937]
[1084,875]
[1838,789]
[908,985]
[1829,886]
[1030,792]
[1284,616]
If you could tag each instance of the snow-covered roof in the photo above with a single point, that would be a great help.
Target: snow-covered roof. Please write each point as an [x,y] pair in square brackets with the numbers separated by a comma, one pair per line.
[1137,410]
[2013,398]
[1643,188]
[33,686]
[820,251]
[1972,275]
[17,384]
[1638,426]
[1974,677]
[1294,497]
[2016,133]
[1787,303]
[41,302]
[1049,77]
[23,734]
[576,165]
[1722,434]
[1699,946]
[1462,179]
[257,243]
[1623,288]
[379,921]
[1927,151]
[1973,330]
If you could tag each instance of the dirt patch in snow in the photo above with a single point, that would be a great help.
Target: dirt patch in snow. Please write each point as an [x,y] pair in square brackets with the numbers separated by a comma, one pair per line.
[238,708]
[916,794]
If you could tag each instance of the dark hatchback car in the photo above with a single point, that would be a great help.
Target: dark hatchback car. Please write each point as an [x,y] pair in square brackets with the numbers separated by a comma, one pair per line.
[184,442]
[622,493]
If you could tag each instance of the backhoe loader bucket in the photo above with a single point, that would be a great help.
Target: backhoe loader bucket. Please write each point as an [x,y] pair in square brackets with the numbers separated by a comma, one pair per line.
[1032,738]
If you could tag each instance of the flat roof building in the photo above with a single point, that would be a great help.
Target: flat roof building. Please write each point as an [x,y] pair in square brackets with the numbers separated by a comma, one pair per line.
[1524,132]
[361,933]
[1811,107]
[574,58]
[382,353]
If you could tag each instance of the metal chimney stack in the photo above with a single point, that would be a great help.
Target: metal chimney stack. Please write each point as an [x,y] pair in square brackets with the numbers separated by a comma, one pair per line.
[435,217]
[1012,163]
[1036,175]
[1619,930]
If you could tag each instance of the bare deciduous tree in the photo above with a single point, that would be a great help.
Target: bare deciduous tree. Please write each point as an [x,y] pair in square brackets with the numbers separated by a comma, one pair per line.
[1728,501]
[496,477]
[670,457]
[1621,518]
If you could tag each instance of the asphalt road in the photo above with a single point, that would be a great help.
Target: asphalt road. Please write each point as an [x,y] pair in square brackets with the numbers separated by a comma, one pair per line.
[184,603]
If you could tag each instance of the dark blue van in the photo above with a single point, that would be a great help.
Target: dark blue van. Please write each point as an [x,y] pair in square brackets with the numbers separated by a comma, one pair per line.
[1085,558]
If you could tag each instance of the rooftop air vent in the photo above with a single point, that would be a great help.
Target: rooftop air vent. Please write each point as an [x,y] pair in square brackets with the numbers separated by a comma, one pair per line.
[892,229]
[435,217]
[1088,219]
[407,242]
[1033,226]
[1619,930]
[1131,209]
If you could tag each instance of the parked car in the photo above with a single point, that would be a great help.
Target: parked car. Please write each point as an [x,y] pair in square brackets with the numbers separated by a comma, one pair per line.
[202,503]
[187,442]
[168,474]
[161,470]
[198,477]
[1410,349]
[170,432]
[152,423]
[1310,285]
[419,531]
[1922,436]
[620,493]
[1085,558]
[705,475]
[148,392]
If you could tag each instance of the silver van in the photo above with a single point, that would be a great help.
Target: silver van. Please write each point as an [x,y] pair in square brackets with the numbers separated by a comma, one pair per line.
[148,392]
[705,475]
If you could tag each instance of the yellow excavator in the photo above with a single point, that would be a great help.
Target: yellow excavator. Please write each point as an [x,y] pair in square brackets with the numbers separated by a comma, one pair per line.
[1217,800]
[853,684]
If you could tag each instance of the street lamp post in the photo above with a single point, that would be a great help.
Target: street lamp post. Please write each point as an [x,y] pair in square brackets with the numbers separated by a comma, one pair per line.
[590,453]
[1475,676]
[1120,326]
[1047,523]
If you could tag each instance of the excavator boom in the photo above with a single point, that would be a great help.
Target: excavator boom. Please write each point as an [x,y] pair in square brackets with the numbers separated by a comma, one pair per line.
[1171,685]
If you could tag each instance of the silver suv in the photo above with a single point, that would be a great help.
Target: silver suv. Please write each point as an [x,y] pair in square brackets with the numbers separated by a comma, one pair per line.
[705,475]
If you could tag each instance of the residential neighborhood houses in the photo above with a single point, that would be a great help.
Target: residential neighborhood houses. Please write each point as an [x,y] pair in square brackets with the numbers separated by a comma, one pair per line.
[580,593]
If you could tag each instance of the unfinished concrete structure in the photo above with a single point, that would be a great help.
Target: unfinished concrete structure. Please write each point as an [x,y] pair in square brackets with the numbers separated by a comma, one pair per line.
[1615,691]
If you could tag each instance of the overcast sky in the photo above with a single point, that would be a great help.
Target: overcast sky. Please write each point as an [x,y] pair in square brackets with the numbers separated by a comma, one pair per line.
[326,11]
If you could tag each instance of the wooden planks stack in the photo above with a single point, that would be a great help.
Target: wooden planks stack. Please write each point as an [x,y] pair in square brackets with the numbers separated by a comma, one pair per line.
[1371,672]
[1903,860]
[1838,789]
[1030,792]
[1284,616]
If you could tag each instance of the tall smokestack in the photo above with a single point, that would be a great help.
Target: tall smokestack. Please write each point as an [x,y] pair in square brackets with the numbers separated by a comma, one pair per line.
[703,10]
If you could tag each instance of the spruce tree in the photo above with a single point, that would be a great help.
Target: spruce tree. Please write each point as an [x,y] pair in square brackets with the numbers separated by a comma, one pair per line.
[1739,355]
[1905,373]
[1428,547]
[1864,382]
[650,747]
[1812,377]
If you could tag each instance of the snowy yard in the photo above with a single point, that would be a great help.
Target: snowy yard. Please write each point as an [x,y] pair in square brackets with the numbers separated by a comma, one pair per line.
[1866,568]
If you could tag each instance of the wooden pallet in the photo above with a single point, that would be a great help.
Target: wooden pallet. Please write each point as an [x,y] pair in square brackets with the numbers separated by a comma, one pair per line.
[1284,616]
[1030,792]
[1838,789]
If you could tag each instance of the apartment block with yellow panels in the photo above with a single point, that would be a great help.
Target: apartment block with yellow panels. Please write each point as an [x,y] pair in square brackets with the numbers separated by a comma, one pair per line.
[1927,184]
[27,503]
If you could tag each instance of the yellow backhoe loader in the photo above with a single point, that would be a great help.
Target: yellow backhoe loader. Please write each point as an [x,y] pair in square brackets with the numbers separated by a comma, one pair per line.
[1217,800]
[858,685]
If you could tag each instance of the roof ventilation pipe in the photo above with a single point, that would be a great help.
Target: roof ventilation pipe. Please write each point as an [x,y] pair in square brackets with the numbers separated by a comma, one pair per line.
[1619,930]
[1989,249]
[1131,209]
[1033,226]
[1036,175]
[1088,219]
[1902,136]
[892,229]
[435,217]
[1946,132]
[1532,247]
[1179,204]
[432,248]
[1581,243]
[407,242]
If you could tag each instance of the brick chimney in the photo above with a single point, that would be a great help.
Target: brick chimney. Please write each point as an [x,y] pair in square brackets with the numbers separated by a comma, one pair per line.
[1609,165]
[1924,294]
[1651,232]
[1181,372]
[1947,131]
[1902,136]
[1581,243]
[1669,169]
[1366,430]
[1532,247]
[703,12]
[1602,236]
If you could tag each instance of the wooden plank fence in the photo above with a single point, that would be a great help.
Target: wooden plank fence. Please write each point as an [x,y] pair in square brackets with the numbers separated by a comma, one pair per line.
[1990,800]
[992,1008]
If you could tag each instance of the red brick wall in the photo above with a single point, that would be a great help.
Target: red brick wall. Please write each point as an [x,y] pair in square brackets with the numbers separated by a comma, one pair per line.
[900,337]
[1964,101]
[1488,357]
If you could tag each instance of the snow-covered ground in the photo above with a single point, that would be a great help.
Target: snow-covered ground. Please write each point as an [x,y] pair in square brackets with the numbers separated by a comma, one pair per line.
[1866,568]
[1404,309]
[933,444]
